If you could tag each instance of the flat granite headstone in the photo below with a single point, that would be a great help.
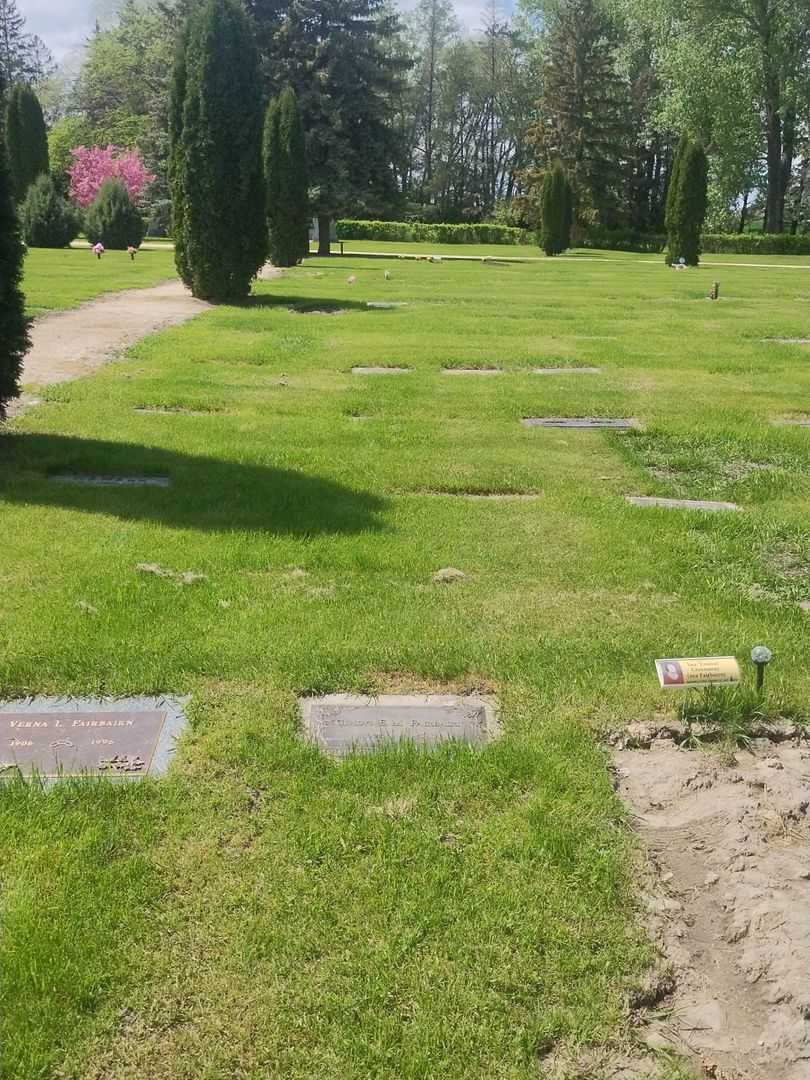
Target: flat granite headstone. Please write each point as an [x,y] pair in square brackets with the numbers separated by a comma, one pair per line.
[341,723]
[566,371]
[792,422]
[681,504]
[384,305]
[54,738]
[472,371]
[111,481]
[579,422]
[379,370]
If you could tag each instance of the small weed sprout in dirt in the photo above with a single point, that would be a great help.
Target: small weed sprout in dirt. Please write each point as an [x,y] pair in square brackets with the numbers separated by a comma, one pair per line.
[735,713]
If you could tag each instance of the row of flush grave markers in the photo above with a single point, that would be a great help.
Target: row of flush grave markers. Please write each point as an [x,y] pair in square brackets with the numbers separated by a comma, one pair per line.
[128,738]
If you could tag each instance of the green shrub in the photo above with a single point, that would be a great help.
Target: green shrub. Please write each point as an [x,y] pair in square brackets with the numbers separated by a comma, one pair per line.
[406,232]
[756,244]
[687,202]
[26,139]
[48,219]
[711,243]
[597,236]
[285,166]
[113,219]
[556,213]
[13,323]
[215,121]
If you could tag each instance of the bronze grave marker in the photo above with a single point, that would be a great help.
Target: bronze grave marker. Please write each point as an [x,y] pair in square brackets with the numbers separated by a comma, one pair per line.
[127,740]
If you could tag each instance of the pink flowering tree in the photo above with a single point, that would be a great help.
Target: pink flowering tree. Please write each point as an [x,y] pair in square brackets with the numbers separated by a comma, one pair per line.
[92,166]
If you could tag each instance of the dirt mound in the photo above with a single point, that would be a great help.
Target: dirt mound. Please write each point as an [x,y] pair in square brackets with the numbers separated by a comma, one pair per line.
[729,884]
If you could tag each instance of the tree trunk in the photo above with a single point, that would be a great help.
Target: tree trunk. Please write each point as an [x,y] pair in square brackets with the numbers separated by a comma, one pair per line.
[788,152]
[324,234]
[743,213]
[774,204]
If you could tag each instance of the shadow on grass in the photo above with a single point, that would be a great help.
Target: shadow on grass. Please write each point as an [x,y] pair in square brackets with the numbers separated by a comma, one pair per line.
[306,305]
[204,493]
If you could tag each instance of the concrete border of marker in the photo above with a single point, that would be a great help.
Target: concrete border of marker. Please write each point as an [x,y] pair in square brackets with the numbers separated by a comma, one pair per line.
[479,725]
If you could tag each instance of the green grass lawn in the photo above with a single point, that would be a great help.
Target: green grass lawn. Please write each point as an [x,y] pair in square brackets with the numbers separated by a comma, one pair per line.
[58,280]
[262,912]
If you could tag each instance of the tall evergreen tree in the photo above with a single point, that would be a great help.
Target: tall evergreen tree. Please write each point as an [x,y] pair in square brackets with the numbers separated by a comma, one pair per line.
[286,176]
[686,203]
[583,113]
[337,55]
[23,57]
[26,139]
[216,154]
[556,211]
[13,323]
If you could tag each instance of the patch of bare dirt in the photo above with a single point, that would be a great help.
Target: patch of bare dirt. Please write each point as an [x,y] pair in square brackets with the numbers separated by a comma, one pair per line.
[74,343]
[729,900]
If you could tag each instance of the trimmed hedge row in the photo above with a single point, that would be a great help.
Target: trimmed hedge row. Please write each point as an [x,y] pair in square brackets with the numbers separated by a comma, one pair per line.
[756,244]
[711,243]
[417,231]
[624,240]
[606,239]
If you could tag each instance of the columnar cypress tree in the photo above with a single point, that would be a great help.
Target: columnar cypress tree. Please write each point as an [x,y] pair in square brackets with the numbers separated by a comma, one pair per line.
[13,323]
[216,154]
[556,211]
[686,203]
[26,139]
[286,175]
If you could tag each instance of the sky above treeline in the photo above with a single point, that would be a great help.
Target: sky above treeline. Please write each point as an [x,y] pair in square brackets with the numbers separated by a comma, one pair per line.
[65,24]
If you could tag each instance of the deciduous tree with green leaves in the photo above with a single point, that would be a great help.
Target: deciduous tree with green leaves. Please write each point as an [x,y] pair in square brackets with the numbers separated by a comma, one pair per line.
[286,176]
[217,180]
[26,139]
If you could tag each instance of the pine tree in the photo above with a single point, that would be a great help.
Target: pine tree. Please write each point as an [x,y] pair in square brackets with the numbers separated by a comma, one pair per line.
[583,113]
[338,57]
[286,176]
[114,219]
[48,219]
[556,211]
[216,154]
[14,340]
[26,139]
[23,57]
[687,203]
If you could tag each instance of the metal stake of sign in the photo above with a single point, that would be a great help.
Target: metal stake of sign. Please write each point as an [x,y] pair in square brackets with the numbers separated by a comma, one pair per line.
[761,656]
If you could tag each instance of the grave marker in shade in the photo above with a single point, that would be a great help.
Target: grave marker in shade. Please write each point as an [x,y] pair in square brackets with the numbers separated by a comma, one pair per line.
[90,480]
[341,723]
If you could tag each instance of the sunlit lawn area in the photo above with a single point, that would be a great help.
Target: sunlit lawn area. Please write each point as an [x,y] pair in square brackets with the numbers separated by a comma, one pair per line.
[57,280]
[263,912]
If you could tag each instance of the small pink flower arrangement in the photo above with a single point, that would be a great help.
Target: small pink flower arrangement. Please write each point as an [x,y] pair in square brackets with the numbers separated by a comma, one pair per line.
[98,249]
